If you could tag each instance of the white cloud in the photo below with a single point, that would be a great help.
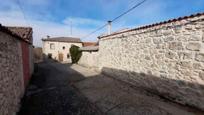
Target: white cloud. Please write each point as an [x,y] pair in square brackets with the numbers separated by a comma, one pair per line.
[82,21]
[81,26]
[43,28]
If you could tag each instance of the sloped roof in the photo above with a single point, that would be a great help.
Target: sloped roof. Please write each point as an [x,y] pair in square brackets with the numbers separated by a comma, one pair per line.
[155,24]
[89,48]
[63,39]
[89,44]
[22,33]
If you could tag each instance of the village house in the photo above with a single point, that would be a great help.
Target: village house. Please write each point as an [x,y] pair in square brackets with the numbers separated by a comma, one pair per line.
[58,48]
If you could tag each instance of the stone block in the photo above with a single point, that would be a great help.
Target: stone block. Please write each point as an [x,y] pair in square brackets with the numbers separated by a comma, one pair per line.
[198,27]
[185,55]
[201,75]
[175,46]
[166,32]
[198,66]
[195,37]
[147,58]
[203,36]
[185,64]
[157,40]
[188,27]
[167,39]
[170,55]
[200,57]
[193,46]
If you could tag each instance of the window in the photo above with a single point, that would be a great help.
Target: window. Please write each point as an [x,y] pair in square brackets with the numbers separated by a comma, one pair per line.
[68,56]
[49,55]
[63,47]
[52,46]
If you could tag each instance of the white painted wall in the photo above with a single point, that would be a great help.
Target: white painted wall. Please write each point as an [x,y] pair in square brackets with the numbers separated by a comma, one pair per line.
[89,59]
[59,49]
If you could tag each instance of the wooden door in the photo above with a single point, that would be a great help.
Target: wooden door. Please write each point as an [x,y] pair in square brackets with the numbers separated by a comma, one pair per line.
[60,57]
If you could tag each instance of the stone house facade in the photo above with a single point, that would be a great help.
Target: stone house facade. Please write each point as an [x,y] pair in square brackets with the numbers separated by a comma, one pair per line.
[165,58]
[58,48]
[12,75]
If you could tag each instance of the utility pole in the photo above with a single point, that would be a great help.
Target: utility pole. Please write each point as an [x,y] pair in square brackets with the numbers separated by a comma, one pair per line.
[109,27]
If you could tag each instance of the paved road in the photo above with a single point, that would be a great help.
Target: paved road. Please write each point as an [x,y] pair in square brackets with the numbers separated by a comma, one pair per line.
[51,93]
[58,89]
[117,98]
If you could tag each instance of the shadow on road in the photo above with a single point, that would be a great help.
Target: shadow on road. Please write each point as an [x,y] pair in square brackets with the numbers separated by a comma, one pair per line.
[50,92]
[65,89]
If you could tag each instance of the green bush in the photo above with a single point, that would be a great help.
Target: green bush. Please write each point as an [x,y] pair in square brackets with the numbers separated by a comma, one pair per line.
[75,53]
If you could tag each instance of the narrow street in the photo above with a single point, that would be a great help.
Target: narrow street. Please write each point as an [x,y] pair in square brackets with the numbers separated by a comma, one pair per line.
[64,89]
[50,92]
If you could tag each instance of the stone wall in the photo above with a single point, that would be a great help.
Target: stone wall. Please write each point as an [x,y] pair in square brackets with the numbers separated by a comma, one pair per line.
[11,75]
[167,59]
[89,59]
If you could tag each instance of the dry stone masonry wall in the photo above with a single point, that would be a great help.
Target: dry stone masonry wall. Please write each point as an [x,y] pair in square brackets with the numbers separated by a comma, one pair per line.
[11,74]
[167,59]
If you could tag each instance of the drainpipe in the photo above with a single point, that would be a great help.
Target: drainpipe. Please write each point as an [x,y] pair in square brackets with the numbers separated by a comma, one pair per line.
[109,27]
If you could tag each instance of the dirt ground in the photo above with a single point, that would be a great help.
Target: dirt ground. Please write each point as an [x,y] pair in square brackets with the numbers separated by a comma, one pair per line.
[65,89]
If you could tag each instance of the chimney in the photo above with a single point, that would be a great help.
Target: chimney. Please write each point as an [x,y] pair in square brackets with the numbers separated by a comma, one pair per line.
[109,27]
[48,36]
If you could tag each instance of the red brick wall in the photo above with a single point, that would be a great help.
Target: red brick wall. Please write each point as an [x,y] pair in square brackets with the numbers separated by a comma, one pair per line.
[25,56]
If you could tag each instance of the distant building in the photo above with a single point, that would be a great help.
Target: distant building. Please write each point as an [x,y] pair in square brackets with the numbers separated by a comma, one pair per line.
[58,47]
[38,54]
[89,44]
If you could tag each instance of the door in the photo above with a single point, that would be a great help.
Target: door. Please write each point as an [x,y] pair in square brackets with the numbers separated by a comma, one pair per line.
[60,55]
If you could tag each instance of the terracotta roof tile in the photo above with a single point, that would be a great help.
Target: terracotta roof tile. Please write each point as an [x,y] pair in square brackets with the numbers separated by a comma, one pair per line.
[89,44]
[156,24]
[23,33]
[89,48]
[63,39]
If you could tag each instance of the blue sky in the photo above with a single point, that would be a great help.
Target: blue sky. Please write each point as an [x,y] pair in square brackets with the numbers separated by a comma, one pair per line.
[53,17]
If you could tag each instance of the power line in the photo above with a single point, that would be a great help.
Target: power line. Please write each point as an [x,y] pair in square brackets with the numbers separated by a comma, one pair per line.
[132,8]
[95,30]
[135,6]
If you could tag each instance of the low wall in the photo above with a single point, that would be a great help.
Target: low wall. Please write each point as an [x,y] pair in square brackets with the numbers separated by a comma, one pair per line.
[89,59]
[167,59]
[11,75]
[38,55]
